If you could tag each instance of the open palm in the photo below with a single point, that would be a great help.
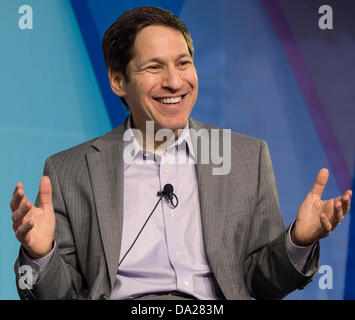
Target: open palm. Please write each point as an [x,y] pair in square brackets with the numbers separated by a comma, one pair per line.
[34,226]
[317,218]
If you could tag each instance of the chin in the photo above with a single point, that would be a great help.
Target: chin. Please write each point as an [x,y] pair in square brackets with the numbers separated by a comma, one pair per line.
[174,124]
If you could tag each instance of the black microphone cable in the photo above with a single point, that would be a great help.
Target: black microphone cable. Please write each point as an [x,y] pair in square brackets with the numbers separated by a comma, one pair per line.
[167,192]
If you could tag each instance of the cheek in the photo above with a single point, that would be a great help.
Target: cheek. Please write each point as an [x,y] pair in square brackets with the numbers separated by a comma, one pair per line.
[148,87]
[140,86]
[191,78]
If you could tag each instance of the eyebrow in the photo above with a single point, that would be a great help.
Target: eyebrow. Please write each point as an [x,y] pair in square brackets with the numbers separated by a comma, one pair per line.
[159,60]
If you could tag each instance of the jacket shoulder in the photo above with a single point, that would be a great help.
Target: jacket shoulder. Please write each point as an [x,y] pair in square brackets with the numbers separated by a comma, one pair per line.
[236,138]
[76,154]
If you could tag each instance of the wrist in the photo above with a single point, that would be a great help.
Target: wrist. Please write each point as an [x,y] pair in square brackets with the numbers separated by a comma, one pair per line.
[296,240]
[38,255]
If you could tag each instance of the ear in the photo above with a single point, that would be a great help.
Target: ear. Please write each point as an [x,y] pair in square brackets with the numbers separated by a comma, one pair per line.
[117,82]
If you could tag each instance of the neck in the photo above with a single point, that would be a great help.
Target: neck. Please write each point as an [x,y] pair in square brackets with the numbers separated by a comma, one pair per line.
[154,138]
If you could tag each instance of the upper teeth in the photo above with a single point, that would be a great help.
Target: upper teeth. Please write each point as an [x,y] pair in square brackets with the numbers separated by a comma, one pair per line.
[170,100]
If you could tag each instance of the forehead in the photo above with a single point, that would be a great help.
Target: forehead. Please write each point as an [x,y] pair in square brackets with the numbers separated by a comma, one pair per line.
[158,41]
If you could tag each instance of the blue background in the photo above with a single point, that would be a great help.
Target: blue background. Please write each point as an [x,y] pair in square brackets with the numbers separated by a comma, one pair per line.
[265,70]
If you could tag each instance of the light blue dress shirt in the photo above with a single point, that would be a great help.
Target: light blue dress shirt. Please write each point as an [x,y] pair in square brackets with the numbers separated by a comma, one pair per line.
[170,254]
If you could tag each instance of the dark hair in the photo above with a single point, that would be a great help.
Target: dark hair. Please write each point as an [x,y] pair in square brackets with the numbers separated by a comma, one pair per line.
[118,40]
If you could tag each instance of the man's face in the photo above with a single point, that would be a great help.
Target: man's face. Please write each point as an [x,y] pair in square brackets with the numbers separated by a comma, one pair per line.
[162,82]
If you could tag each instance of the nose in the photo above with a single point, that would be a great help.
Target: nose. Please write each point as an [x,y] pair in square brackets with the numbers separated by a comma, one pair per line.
[171,79]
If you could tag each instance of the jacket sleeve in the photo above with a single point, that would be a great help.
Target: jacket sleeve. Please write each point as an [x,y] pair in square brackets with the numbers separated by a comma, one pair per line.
[268,271]
[62,279]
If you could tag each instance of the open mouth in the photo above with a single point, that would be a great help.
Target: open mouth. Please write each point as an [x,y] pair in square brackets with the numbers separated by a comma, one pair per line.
[171,101]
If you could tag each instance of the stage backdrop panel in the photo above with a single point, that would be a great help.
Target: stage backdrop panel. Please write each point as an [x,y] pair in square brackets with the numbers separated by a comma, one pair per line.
[50,100]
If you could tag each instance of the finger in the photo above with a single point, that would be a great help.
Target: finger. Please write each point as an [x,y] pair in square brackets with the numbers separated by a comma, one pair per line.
[18,185]
[326,225]
[320,183]
[338,214]
[17,196]
[23,230]
[45,192]
[19,214]
[346,201]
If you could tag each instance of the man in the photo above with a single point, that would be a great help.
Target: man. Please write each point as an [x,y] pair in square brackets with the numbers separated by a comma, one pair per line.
[226,238]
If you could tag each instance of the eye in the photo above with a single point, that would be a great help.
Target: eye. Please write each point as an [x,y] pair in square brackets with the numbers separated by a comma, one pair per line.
[153,67]
[184,63]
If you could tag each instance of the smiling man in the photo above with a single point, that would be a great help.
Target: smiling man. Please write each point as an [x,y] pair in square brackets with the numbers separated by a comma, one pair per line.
[161,81]
[90,235]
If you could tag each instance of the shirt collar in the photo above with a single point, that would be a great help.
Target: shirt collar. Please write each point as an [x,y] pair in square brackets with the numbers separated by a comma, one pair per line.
[184,137]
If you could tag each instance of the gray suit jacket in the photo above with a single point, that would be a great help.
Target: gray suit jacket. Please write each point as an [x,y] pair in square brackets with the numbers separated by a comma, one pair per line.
[243,229]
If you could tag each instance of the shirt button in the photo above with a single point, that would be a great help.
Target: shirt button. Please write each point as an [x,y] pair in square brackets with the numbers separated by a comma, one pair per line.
[166,170]
[177,254]
[186,284]
[172,213]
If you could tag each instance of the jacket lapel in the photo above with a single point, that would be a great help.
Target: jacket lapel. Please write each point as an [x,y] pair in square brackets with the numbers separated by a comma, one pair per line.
[106,173]
[212,193]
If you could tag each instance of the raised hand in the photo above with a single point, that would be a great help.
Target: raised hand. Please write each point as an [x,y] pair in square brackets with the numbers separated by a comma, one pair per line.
[34,227]
[317,218]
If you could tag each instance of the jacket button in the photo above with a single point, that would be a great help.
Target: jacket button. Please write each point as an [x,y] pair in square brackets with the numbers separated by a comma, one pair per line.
[102,297]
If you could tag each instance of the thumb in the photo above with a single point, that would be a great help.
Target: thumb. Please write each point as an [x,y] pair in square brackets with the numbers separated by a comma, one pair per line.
[45,192]
[320,182]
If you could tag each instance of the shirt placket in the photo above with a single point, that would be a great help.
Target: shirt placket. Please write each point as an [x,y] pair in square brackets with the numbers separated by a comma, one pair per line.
[175,229]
